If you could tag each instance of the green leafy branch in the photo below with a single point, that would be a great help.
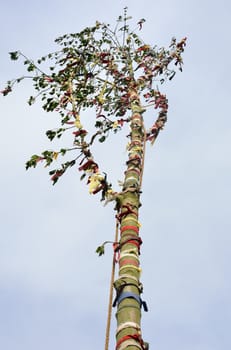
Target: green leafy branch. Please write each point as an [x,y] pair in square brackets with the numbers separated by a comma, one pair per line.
[100,250]
[98,68]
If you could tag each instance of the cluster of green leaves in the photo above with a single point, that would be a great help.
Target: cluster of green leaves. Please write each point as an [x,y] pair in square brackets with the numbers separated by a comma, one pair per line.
[56,173]
[51,134]
[100,250]
[98,68]
[47,156]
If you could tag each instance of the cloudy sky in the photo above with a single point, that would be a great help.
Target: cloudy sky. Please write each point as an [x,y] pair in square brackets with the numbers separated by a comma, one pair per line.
[53,287]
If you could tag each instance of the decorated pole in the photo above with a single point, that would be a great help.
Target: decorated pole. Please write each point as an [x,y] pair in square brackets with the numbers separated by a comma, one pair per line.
[128,286]
[115,74]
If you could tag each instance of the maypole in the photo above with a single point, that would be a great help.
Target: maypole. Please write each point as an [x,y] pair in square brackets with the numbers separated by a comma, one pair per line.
[115,74]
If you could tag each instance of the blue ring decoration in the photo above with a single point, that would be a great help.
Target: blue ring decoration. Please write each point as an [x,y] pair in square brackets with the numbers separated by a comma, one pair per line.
[129,295]
[125,295]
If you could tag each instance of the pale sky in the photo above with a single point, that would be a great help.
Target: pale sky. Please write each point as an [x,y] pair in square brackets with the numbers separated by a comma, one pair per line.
[53,287]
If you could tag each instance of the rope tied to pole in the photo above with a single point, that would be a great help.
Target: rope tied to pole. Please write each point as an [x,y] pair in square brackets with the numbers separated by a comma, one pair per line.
[110,302]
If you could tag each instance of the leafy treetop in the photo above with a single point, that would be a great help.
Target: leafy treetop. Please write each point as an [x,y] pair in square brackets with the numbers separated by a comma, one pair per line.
[98,68]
